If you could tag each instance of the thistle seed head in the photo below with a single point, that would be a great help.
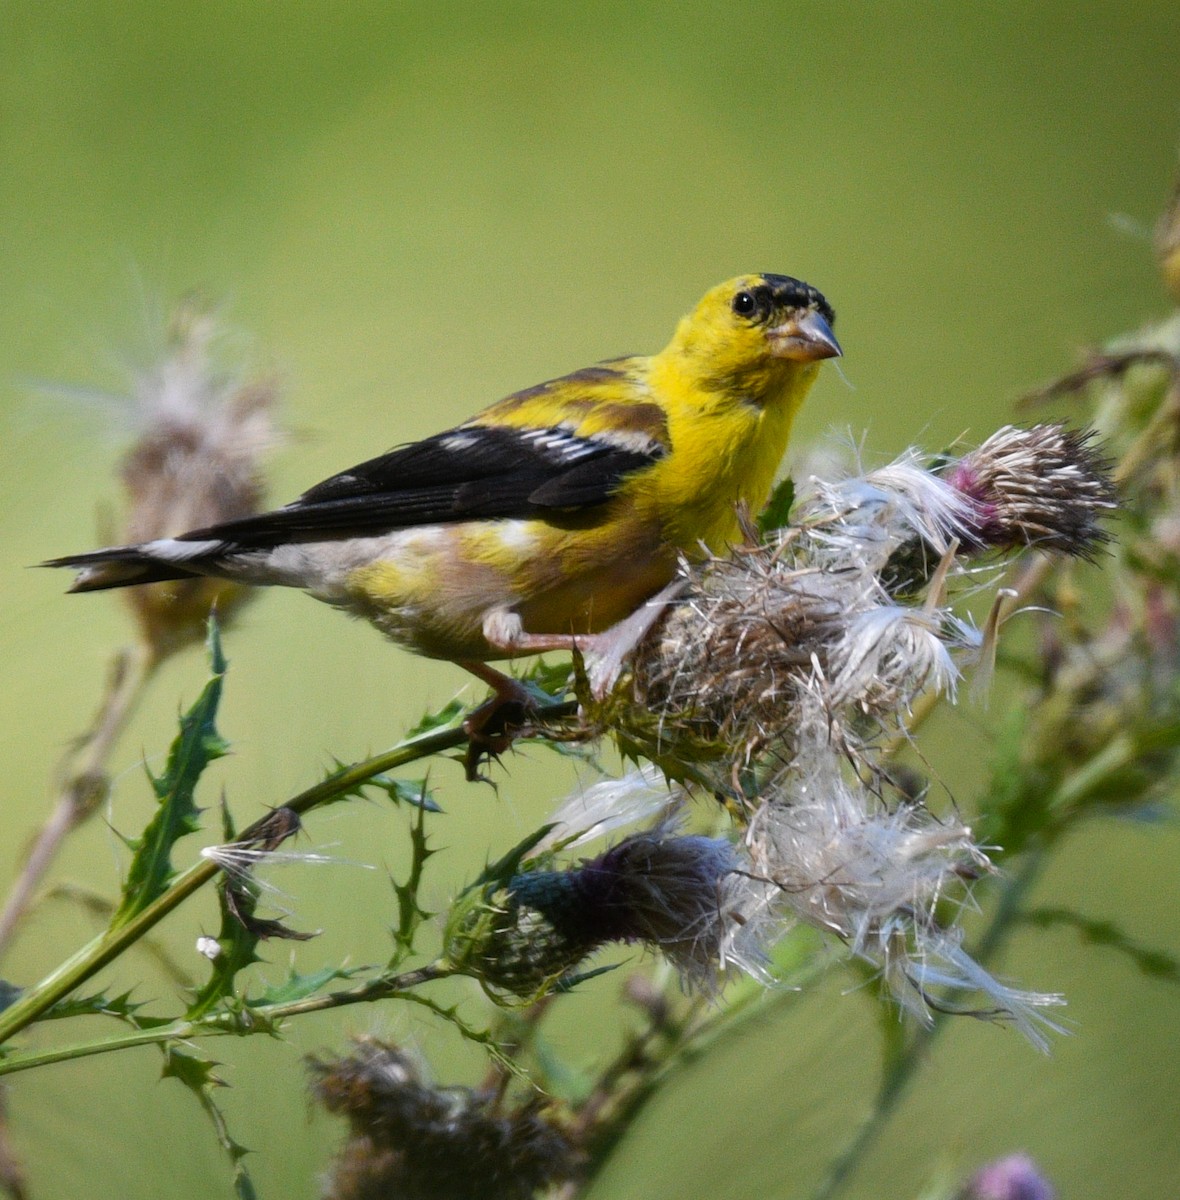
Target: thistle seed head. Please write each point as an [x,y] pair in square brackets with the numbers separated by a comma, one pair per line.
[196,462]
[419,1142]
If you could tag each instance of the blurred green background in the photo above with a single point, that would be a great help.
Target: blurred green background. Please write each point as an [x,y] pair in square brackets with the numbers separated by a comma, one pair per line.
[412,209]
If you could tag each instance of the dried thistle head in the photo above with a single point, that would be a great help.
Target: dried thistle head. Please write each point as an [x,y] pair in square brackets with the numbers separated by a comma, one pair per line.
[1046,487]
[196,462]
[844,616]
[415,1141]
[522,933]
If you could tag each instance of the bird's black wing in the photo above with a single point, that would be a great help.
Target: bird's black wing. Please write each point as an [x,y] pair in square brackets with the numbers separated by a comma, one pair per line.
[471,472]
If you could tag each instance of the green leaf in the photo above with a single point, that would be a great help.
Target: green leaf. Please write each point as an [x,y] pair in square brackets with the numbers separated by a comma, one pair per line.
[411,914]
[237,943]
[299,987]
[195,747]
[446,715]
[503,869]
[552,679]
[196,1073]
[1156,964]
[413,792]
[567,983]
[777,512]
[102,1005]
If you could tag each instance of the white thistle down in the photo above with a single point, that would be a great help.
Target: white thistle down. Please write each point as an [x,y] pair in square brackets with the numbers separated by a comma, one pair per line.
[783,669]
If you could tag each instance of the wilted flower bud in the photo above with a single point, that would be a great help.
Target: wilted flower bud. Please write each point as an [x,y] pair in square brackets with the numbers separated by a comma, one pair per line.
[1045,487]
[417,1142]
[524,933]
[1013,1178]
[196,462]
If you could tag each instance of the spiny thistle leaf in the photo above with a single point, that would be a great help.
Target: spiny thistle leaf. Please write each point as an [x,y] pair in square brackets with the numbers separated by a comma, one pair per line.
[437,720]
[102,1005]
[1156,964]
[504,868]
[238,943]
[196,1073]
[299,987]
[411,914]
[551,678]
[405,791]
[195,747]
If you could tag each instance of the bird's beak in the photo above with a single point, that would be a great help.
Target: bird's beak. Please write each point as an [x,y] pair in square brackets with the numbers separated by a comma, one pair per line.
[804,339]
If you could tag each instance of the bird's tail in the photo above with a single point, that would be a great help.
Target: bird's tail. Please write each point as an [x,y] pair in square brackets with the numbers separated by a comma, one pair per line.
[120,566]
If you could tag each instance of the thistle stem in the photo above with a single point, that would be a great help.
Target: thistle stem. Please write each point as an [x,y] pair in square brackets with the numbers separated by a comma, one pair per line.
[83,774]
[904,1066]
[222,1024]
[87,961]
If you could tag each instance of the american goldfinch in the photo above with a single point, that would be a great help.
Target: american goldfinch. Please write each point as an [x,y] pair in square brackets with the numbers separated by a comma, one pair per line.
[553,514]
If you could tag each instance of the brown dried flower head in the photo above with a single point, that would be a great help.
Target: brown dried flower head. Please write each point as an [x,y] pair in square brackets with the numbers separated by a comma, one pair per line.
[415,1141]
[196,462]
[848,606]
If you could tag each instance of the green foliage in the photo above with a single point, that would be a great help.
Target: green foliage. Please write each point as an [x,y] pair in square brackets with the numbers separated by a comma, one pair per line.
[400,791]
[102,1005]
[196,1073]
[433,721]
[777,513]
[1154,963]
[237,948]
[411,914]
[298,986]
[196,746]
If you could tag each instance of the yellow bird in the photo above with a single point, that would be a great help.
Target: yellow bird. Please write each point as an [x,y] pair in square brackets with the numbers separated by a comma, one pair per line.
[550,516]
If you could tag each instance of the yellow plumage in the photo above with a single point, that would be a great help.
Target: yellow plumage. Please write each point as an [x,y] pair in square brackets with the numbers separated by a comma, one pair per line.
[555,512]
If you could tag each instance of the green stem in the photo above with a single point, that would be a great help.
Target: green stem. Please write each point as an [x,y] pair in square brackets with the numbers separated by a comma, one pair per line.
[223,1024]
[60,982]
[696,1036]
[904,1066]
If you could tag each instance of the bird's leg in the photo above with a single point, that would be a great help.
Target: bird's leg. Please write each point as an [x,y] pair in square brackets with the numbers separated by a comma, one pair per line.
[607,651]
[492,726]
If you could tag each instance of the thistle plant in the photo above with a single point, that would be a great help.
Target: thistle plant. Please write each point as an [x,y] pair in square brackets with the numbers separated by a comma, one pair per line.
[771,726]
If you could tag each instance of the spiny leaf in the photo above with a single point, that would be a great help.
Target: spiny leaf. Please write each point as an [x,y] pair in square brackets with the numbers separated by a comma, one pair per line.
[1157,964]
[400,791]
[299,987]
[446,715]
[567,983]
[552,678]
[102,1005]
[238,950]
[196,1073]
[410,913]
[504,868]
[197,745]
[406,791]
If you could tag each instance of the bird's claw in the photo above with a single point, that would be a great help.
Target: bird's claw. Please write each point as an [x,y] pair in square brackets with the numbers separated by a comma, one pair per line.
[492,728]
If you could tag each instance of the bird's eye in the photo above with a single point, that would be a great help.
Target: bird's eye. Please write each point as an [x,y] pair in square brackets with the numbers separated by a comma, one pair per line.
[744,304]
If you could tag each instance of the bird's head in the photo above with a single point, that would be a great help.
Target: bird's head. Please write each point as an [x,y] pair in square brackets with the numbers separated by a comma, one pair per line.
[756,333]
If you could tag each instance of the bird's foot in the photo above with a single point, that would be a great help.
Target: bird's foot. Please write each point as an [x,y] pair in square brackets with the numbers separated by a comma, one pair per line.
[498,721]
